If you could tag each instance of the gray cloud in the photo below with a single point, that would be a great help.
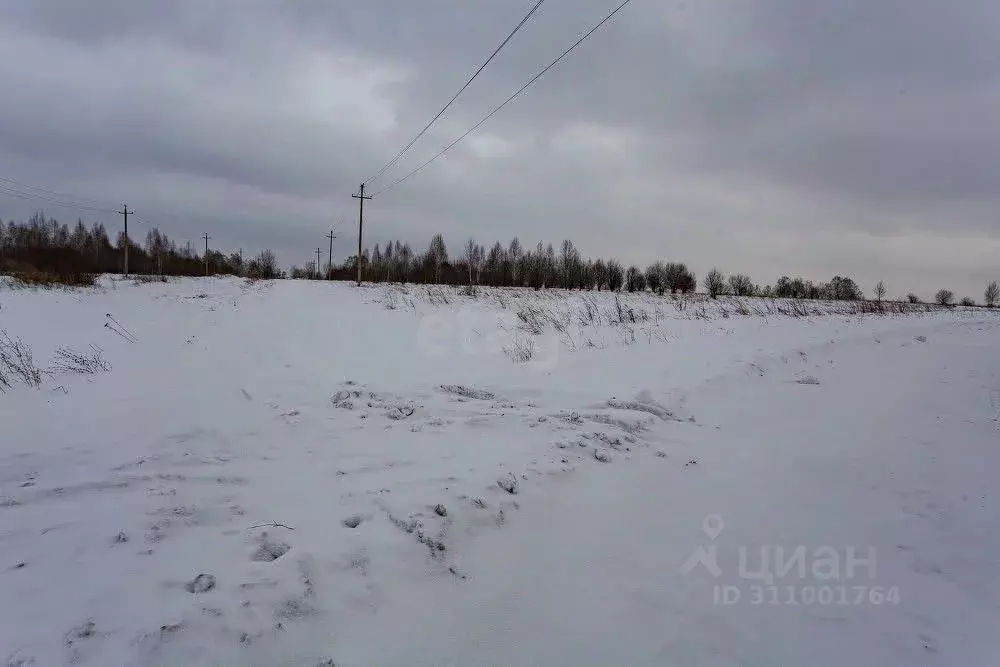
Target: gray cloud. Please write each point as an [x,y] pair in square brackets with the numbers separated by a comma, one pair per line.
[767,137]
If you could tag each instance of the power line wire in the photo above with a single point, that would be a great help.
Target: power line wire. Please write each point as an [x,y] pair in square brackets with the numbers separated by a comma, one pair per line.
[45,198]
[508,100]
[388,165]
[59,199]
[10,192]
[60,195]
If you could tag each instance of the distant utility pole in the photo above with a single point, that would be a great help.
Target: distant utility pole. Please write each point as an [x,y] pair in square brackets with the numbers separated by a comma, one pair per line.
[125,212]
[317,261]
[206,237]
[329,264]
[241,261]
[361,222]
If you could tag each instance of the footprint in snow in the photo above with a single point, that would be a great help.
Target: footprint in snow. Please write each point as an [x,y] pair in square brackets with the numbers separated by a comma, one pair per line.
[200,584]
[269,550]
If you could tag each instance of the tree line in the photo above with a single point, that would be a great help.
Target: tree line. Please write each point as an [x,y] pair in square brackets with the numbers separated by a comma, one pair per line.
[513,265]
[42,244]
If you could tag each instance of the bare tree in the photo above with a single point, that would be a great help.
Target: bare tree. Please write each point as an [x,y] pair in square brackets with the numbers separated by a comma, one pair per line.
[992,294]
[715,283]
[839,288]
[740,284]
[404,257]
[264,265]
[615,275]
[515,255]
[654,277]
[635,281]
[599,274]
[480,260]
[376,271]
[569,262]
[496,266]
[678,278]
[438,254]
[551,269]
[586,277]
[471,253]
[880,290]
[944,297]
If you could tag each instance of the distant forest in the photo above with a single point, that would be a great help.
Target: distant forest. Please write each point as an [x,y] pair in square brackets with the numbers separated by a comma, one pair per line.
[44,247]
[544,266]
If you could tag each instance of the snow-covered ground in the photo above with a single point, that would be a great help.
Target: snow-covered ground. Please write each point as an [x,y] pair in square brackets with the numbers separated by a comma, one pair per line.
[301,473]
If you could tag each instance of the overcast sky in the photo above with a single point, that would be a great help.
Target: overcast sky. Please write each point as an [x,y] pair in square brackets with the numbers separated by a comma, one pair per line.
[763,136]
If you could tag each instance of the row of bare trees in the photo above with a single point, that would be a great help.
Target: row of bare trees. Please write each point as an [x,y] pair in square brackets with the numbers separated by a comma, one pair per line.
[545,266]
[42,244]
[991,296]
[510,265]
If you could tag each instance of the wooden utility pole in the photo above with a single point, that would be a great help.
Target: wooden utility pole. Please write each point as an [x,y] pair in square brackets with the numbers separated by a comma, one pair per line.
[361,222]
[207,237]
[317,262]
[125,212]
[329,264]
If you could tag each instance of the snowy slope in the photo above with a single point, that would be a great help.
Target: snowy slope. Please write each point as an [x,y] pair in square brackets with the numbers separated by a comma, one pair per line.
[379,427]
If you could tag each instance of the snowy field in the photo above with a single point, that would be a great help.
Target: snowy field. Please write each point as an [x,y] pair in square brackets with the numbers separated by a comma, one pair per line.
[305,473]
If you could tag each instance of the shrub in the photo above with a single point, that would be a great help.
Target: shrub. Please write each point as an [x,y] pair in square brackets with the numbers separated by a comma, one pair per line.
[139,279]
[532,320]
[263,266]
[944,297]
[80,363]
[966,301]
[16,362]
[47,279]
[912,298]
